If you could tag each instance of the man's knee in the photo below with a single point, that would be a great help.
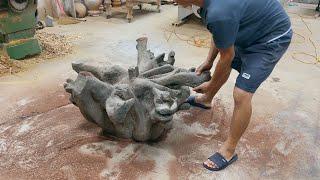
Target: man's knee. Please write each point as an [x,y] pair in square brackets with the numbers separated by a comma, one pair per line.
[240,96]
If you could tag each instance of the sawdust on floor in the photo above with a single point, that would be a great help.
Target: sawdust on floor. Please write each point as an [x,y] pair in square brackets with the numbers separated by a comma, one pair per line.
[53,46]
[68,20]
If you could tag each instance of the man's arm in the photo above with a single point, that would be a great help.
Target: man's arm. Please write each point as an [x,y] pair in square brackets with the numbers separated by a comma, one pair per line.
[207,65]
[213,52]
[220,75]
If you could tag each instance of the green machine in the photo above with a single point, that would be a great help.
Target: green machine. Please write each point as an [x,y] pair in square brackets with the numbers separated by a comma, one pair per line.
[17,28]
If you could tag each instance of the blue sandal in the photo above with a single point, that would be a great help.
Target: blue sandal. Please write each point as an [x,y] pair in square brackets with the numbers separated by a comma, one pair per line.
[220,162]
[192,101]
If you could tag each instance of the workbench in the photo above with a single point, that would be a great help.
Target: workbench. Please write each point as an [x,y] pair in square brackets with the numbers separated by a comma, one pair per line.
[129,5]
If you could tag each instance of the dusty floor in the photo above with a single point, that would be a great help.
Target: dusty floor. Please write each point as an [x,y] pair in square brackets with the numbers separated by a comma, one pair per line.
[43,136]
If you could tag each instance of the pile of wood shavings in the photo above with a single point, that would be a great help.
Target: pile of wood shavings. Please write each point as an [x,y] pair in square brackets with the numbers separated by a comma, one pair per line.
[53,46]
[7,66]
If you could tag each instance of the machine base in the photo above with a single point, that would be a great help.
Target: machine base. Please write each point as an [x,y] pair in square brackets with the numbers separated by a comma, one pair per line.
[21,48]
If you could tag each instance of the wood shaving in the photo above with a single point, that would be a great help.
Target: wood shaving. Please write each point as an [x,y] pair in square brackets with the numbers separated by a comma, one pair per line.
[53,46]
[68,20]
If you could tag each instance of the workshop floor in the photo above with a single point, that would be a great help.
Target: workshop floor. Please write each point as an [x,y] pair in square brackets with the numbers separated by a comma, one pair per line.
[43,136]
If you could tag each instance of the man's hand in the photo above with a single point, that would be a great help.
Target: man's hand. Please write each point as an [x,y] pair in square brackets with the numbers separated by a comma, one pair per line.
[205,66]
[203,88]
[206,95]
[220,76]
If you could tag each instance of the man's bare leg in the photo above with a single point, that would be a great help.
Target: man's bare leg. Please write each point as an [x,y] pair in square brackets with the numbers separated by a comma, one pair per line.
[240,120]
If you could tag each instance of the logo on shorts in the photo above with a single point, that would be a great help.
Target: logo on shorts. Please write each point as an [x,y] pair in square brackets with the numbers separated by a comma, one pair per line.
[246,75]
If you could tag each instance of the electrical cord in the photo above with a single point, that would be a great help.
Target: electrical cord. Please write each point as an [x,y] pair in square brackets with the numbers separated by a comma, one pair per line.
[195,40]
[315,57]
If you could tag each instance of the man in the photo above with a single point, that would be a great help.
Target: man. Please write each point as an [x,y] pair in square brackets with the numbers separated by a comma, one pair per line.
[250,36]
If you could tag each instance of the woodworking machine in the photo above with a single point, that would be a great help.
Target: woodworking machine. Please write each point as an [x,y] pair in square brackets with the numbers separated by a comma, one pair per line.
[17,28]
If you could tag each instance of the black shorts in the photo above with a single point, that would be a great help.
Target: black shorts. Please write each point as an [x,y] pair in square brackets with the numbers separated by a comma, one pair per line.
[256,62]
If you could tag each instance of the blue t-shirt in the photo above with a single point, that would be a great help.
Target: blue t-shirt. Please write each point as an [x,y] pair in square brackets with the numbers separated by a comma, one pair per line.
[244,22]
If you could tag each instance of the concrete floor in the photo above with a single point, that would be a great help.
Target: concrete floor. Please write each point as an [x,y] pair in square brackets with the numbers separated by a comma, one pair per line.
[43,136]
